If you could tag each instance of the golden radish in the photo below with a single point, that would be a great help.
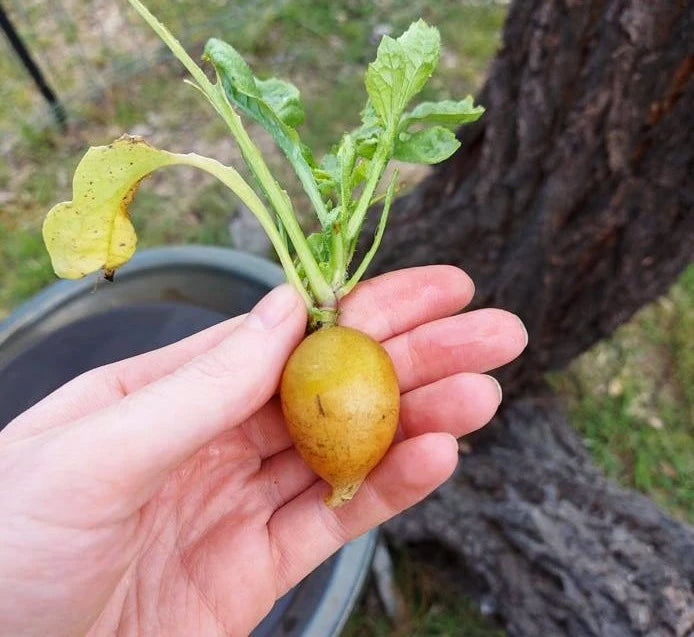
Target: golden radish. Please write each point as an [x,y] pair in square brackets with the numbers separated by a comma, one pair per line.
[341,400]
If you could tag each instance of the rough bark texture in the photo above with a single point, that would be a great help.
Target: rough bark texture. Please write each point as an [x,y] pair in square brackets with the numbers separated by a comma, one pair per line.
[571,205]
[571,200]
[561,550]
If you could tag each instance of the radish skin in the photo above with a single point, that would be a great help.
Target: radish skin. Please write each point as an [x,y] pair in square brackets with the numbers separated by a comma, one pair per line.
[340,399]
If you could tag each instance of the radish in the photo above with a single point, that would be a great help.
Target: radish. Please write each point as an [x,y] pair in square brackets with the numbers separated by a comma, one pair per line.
[340,399]
[339,391]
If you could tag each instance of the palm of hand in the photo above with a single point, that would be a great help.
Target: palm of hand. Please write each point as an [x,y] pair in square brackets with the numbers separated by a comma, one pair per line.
[212,512]
[162,494]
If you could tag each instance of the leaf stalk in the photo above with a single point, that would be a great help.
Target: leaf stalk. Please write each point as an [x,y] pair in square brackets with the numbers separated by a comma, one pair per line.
[321,289]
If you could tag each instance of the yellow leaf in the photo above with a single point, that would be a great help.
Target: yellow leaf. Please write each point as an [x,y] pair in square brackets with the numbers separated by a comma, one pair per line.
[93,231]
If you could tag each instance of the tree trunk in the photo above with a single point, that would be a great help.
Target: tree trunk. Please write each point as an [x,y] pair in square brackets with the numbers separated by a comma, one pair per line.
[570,201]
[569,204]
[560,550]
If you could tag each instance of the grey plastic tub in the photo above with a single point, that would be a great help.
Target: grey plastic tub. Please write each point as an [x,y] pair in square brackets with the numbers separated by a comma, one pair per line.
[162,295]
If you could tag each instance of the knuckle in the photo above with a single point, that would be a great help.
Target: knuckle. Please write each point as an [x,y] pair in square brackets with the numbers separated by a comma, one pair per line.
[333,524]
[212,367]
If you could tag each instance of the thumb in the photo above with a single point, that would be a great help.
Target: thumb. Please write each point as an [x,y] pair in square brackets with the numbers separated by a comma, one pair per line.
[157,427]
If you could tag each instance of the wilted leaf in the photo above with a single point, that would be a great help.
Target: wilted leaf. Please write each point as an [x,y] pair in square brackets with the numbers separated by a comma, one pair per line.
[93,231]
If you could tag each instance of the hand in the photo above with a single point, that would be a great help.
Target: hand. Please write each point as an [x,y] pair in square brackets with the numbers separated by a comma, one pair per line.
[161,494]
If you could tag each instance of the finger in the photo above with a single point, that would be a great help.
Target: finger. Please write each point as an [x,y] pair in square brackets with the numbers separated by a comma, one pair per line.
[383,306]
[155,428]
[105,385]
[476,341]
[434,358]
[393,303]
[304,532]
[456,405]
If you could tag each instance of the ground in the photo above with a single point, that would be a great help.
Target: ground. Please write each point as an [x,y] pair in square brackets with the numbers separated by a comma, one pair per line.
[631,396]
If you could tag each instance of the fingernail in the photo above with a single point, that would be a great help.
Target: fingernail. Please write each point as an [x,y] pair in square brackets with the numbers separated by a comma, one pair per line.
[273,308]
[525,331]
[498,386]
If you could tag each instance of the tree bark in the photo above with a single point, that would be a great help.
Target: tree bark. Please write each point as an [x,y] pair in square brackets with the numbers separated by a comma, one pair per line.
[560,550]
[569,204]
[570,201]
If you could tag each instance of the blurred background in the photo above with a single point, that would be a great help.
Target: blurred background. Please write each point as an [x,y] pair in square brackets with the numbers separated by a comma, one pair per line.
[632,396]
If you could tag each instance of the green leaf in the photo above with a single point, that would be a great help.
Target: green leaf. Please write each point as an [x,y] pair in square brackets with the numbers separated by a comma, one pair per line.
[236,71]
[365,137]
[328,169]
[319,243]
[361,172]
[274,104]
[346,157]
[284,99]
[446,113]
[401,69]
[369,117]
[366,140]
[429,146]
[93,231]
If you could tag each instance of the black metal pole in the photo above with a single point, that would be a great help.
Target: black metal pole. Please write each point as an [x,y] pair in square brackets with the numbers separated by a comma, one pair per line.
[32,68]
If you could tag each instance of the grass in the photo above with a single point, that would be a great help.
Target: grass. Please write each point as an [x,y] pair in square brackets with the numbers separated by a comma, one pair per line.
[42,170]
[24,263]
[632,396]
